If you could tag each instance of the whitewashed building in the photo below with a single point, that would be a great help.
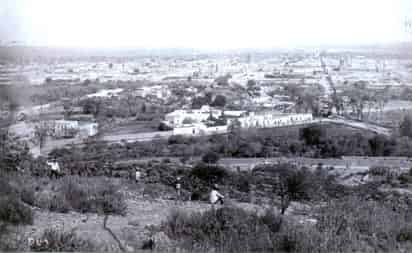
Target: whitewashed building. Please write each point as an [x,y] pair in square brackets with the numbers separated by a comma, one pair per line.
[157,91]
[88,129]
[199,129]
[71,128]
[63,127]
[267,120]
[178,117]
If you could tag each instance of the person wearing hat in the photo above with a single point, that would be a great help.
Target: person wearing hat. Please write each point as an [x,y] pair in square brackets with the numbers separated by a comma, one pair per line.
[215,196]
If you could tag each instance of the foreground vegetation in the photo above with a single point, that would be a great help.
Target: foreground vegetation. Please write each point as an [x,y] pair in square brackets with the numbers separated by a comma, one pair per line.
[347,225]
[370,217]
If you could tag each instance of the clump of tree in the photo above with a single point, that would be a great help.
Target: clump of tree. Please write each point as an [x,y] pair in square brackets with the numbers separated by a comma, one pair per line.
[200,101]
[291,183]
[211,157]
[219,101]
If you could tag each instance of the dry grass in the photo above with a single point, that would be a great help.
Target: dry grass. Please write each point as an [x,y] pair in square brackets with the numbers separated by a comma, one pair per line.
[60,241]
[348,225]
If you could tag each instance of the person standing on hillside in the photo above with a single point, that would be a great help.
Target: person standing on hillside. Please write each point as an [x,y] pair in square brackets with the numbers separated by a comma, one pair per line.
[178,187]
[215,196]
[137,175]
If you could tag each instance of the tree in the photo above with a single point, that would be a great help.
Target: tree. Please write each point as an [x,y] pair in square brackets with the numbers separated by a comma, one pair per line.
[359,98]
[13,152]
[210,157]
[219,101]
[198,102]
[405,128]
[41,131]
[92,106]
[143,109]
[382,98]
[251,83]
[377,145]
[313,135]
[67,107]
[164,127]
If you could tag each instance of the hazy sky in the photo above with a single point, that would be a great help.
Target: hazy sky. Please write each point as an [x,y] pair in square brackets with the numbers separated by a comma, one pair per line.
[203,23]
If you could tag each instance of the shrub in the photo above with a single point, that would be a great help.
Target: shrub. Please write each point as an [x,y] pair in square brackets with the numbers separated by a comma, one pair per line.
[210,157]
[209,174]
[293,183]
[54,240]
[313,135]
[163,127]
[84,195]
[6,188]
[177,139]
[405,234]
[227,229]
[352,223]
[27,196]
[347,225]
[13,211]
[273,221]
[405,178]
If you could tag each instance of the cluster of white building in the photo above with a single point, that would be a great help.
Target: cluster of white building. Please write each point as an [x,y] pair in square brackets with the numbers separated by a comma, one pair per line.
[193,122]
[62,128]
[181,118]
[157,91]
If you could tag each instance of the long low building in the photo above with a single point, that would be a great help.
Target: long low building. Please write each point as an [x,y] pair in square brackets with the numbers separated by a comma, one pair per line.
[267,120]
[199,129]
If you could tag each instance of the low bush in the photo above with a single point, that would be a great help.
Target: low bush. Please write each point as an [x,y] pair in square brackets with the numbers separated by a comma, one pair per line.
[95,195]
[405,234]
[299,184]
[88,195]
[227,229]
[53,240]
[346,225]
[13,211]
[210,174]
[28,196]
